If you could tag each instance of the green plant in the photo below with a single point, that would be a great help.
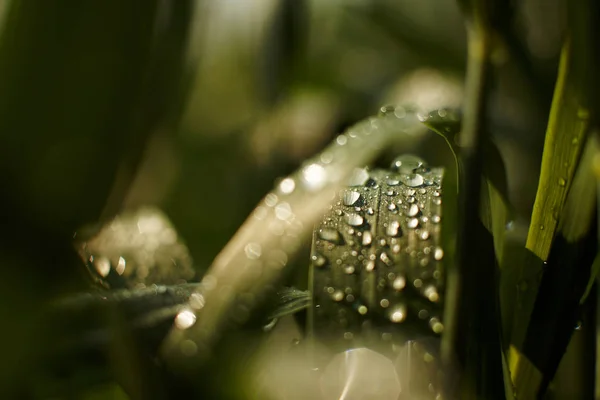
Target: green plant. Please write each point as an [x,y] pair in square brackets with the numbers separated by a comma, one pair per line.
[89,85]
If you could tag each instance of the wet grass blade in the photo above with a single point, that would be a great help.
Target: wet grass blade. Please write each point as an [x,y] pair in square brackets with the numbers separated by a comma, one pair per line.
[564,141]
[257,255]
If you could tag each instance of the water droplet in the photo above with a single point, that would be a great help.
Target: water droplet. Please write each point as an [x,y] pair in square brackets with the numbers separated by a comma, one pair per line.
[362,310]
[413,223]
[541,227]
[370,266]
[354,219]
[287,186]
[348,335]
[351,197]
[436,219]
[386,259]
[393,228]
[359,177]
[102,266]
[399,283]
[253,251]
[314,177]
[407,163]
[400,112]
[283,211]
[562,182]
[413,180]
[367,238]
[120,268]
[438,253]
[579,325]
[398,313]
[318,260]
[342,140]
[185,319]
[385,303]
[424,235]
[413,210]
[337,295]
[431,293]
[436,325]
[331,235]
[390,193]
[393,182]
[418,283]
[271,199]
[349,269]
[370,211]
[387,109]
[392,207]
[423,314]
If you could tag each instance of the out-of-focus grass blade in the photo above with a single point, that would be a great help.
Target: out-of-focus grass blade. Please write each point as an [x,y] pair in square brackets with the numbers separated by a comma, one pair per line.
[83,84]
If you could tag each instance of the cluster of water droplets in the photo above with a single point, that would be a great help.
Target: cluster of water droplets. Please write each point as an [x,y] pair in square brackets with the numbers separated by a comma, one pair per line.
[256,255]
[376,255]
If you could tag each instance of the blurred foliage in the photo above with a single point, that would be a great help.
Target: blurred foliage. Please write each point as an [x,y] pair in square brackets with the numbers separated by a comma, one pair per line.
[137,136]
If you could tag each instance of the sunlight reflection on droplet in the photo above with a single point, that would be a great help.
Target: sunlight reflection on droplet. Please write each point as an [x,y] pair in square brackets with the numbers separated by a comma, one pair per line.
[314,176]
[287,186]
[197,301]
[185,319]
[253,251]
[102,266]
[121,266]
[283,211]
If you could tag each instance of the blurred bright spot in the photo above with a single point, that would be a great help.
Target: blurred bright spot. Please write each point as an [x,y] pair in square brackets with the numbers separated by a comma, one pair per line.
[185,319]
[314,176]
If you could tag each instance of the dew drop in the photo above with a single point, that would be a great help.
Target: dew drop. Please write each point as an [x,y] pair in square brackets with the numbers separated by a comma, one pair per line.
[185,319]
[438,253]
[349,269]
[385,303]
[436,325]
[354,219]
[393,182]
[370,211]
[359,177]
[392,207]
[398,313]
[283,211]
[413,223]
[562,182]
[253,251]
[342,140]
[385,258]
[393,229]
[287,186]
[337,295]
[407,163]
[318,260]
[413,180]
[351,197]
[413,210]
[431,293]
[370,266]
[399,283]
[331,235]
[362,310]
[367,238]
[314,177]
